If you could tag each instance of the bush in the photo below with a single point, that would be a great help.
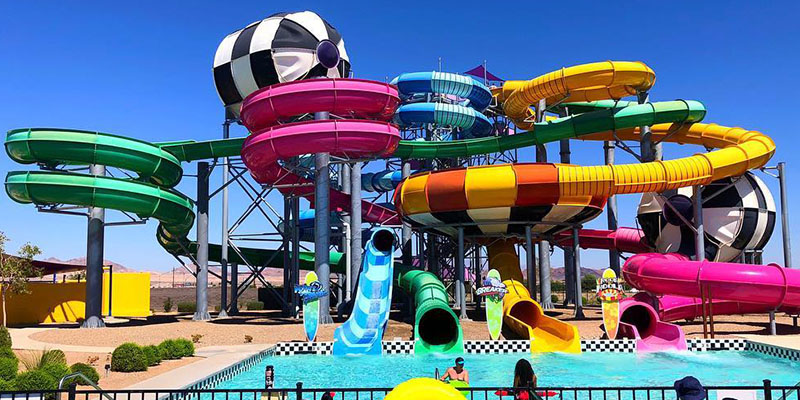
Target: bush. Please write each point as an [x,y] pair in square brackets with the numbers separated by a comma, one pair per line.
[185,347]
[153,355]
[170,350]
[589,283]
[55,370]
[554,298]
[6,352]
[54,356]
[85,369]
[5,337]
[187,307]
[255,305]
[196,338]
[168,304]
[128,357]
[35,380]
[248,339]
[7,386]
[8,368]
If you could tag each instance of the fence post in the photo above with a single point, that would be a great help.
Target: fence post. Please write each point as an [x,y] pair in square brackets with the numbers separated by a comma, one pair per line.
[71,393]
[767,389]
[300,391]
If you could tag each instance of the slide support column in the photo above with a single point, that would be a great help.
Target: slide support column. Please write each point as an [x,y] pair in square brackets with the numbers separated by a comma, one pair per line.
[406,232]
[201,313]
[460,298]
[569,255]
[95,239]
[576,249]
[322,226]
[355,223]
[348,234]
[295,253]
[288,288]
[646,137]
[544,246]
[611,210]
[234,307]
[699,235]
[223,257]
[787,243]
[529,261]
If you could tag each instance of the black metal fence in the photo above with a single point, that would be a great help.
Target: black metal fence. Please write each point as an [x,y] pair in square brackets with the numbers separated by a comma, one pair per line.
[761,392]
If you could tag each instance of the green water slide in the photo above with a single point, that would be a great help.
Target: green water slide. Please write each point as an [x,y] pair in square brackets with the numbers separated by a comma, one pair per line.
[436,327]
[148,196]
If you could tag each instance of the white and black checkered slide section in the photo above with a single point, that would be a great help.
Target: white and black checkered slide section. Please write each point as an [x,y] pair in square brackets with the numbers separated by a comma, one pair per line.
[280,48]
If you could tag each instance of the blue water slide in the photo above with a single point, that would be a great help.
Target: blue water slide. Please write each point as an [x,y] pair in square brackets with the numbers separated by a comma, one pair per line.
[472,123]
[362,333]
[383,181]
[465,87]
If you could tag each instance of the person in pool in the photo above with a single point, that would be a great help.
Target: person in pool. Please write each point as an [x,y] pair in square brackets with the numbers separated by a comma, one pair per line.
[456,372]
[524,377]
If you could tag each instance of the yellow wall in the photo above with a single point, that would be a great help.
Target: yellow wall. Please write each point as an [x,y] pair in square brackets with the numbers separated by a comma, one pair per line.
[65,302]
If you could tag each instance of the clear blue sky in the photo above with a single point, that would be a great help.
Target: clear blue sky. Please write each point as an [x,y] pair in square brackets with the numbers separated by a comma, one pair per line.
[143,69]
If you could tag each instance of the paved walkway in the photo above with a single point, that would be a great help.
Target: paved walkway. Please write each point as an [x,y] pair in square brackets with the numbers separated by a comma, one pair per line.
[787,341]
[21,339]
[215,359]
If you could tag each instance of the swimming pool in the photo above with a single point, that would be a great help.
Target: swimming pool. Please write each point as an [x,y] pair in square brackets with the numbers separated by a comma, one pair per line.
[720,368]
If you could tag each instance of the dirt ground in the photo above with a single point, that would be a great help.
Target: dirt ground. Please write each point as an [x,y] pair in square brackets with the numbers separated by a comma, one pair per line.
[269,327]
[112,380]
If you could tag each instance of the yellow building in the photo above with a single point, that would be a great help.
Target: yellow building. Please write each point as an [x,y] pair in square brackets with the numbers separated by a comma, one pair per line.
[127,293]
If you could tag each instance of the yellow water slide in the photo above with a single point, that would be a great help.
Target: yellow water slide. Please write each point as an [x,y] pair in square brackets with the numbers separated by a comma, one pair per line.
[524,315]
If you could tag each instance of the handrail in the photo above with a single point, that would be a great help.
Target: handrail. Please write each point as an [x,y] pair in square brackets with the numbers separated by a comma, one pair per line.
[85,379]
[786,395]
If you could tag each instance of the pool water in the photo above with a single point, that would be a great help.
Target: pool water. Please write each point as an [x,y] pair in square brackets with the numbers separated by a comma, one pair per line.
[721,368]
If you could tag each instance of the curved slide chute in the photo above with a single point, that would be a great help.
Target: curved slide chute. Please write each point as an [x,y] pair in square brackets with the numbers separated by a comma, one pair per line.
[362,333]
[436,327]
[524,315]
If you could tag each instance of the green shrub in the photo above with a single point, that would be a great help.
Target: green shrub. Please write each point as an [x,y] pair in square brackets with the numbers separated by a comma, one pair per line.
[7,386]
[5,337]
[8,368]
[168,304]
[255,305]
[153,355]
[35,380]
[187,307]
[128,357]
[6,352]
[185,346]
[170,350]
[54,356]
[554,298]
[55,370]
[85,369]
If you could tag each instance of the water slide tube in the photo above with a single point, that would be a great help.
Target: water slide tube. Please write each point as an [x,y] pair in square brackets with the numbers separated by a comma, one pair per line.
[467,117]
[271,142]
[733,288]
[627,240]
[149,196]
[362,333]
[522,314]
[436,327]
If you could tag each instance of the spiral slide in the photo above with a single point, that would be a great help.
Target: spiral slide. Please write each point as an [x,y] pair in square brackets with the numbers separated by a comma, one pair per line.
[362,333]
[154,199]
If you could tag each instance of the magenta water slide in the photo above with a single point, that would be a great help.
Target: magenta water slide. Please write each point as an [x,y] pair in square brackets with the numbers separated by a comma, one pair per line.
[674,284]
[627,240]
[368,135]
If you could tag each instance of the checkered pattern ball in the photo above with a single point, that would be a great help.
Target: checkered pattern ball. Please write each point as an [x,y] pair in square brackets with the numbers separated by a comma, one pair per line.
[283,47]
[738,215]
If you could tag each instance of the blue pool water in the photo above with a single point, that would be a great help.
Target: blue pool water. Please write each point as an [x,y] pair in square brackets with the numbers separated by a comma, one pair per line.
[553,369]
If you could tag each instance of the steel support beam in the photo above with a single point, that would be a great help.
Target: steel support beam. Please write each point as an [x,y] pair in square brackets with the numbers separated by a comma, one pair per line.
[787,242]
[544,246]
[201,288]
[569,258]
[223,259]
[461,301]
[576,251]
[405,246]
[95,239]
[234,307]
[530,262]
[645,136]
[699,236]
[322,226]
[355,223]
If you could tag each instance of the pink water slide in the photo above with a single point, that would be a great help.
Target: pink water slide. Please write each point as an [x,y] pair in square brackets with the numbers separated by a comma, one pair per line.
[366,136]
[673,284]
